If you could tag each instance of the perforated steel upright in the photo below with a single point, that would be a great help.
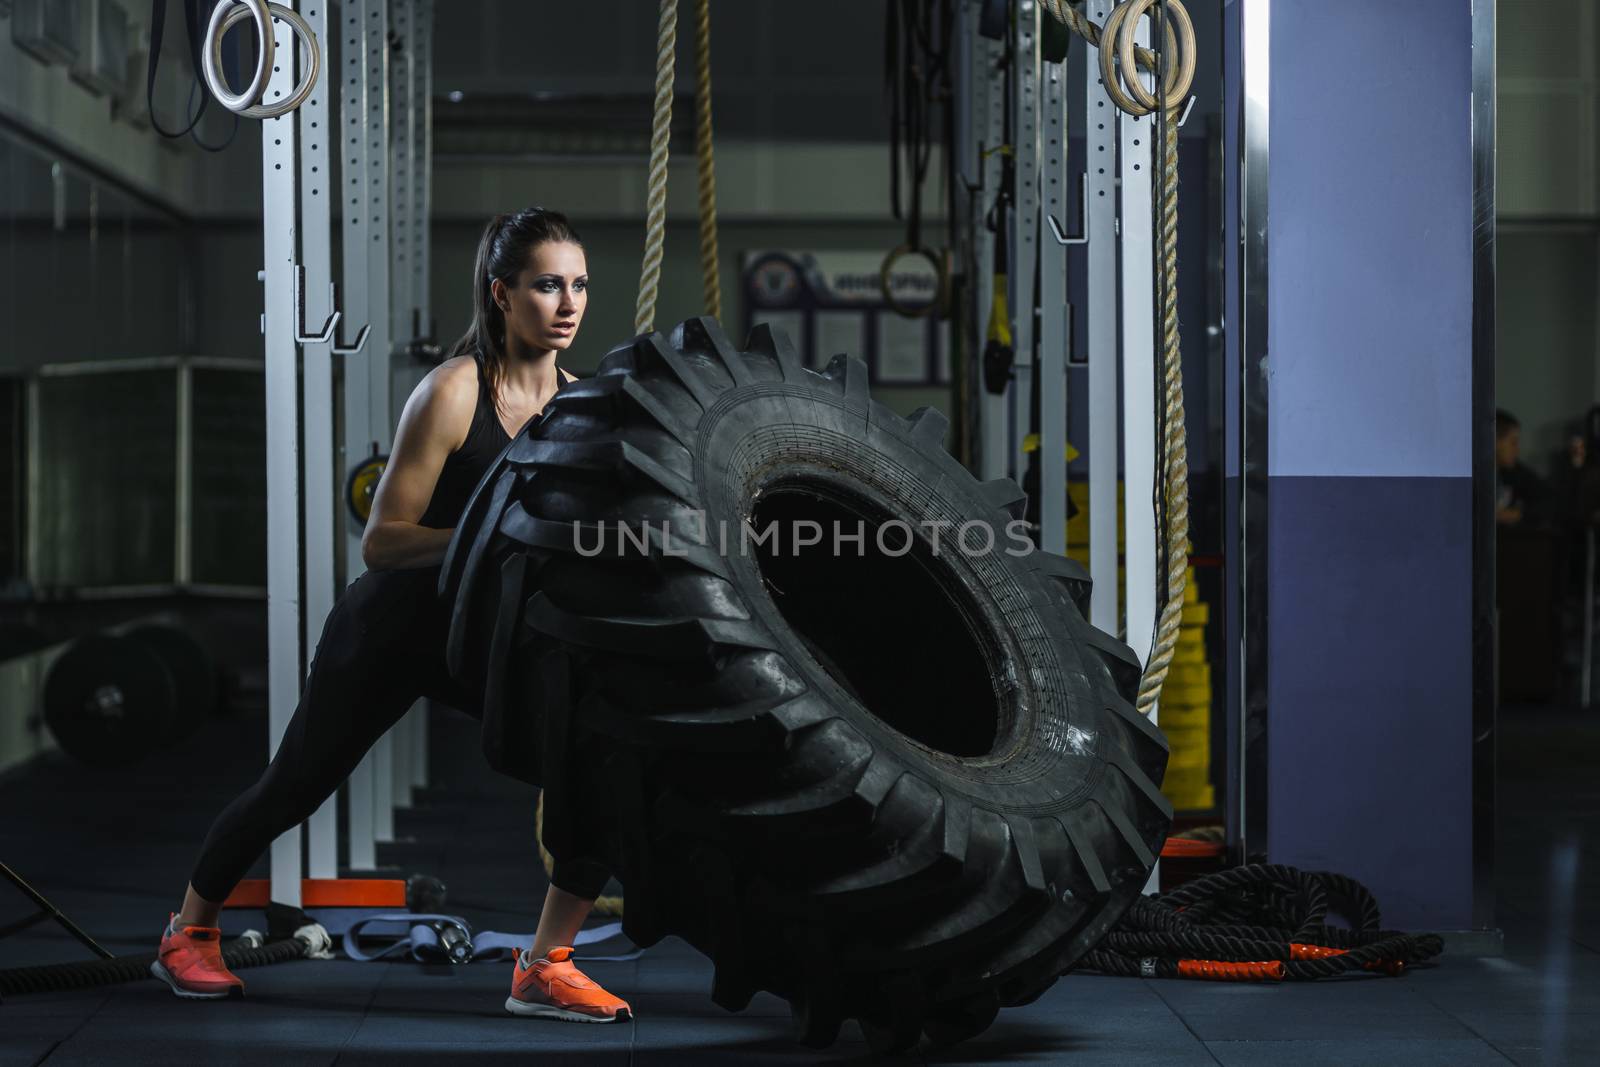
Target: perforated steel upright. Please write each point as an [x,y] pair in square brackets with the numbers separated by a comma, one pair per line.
[279,202]
[1134,157]
[316,257]
[421,121]
[1053,319]
[380,426]
[1100,312]
[988,125]
[354,180]
[1024,224]
[409,734]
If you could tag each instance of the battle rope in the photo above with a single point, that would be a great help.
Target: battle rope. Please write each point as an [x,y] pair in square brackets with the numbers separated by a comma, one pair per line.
[1175,71]
[1263,922]
[705,159]
[246,951]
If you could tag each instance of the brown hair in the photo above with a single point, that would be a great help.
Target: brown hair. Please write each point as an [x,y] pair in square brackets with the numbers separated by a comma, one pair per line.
[503,252]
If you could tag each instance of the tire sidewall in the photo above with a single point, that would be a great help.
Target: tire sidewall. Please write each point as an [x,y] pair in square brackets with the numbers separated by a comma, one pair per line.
[758,436]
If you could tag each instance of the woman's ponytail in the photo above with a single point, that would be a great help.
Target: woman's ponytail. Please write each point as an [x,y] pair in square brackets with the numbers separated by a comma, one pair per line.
[487,320]
[503,251]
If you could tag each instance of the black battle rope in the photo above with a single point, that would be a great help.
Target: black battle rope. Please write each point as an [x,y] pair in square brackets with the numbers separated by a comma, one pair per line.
[54,977]
[1263,922]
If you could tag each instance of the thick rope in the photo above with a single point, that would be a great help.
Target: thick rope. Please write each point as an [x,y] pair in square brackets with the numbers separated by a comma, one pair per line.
[1070,17]
[1173,483]
[656,228]
[705,159]
[1174,486]
[1258,923]
[603,906]
[655,232]
[244,952]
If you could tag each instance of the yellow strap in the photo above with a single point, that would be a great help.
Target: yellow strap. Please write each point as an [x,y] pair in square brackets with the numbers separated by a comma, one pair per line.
[999,316]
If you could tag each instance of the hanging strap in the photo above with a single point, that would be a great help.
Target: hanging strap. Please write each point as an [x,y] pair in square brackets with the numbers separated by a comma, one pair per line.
[158,32]
[194,12]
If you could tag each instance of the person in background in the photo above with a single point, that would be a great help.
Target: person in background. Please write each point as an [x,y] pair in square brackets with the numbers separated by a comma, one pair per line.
[1519,492]
[1575,484]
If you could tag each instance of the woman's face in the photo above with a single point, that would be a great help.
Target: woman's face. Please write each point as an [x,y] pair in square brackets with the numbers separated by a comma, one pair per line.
[544,304]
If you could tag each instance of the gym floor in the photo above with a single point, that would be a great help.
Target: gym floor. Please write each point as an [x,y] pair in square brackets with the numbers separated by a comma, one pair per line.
[111,851]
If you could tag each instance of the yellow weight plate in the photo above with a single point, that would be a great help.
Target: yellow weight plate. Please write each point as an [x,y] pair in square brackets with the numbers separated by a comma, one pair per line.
[362,486]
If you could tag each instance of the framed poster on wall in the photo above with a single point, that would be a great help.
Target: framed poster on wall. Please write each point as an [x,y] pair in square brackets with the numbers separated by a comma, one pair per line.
[832,302]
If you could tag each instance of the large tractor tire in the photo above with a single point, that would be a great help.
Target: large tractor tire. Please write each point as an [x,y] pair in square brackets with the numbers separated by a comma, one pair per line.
[908,788]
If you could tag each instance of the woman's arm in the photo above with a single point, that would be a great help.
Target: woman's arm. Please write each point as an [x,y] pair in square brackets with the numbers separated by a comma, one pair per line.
[435,422]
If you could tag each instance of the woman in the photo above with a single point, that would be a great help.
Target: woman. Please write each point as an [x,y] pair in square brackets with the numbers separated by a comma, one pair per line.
[382,646]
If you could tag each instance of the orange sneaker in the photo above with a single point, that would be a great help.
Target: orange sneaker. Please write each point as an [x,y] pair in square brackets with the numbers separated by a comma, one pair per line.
[553,988]
[190,961]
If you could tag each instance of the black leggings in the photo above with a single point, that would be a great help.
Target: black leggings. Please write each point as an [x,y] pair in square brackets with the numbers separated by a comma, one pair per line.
[381,649]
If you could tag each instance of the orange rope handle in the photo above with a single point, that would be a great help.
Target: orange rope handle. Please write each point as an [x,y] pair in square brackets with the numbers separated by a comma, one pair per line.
[1298,951]
[1188,848]
[1224,971]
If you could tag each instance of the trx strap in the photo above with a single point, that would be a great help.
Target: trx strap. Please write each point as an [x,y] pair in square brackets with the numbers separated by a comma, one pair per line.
[998,352]
[432,938]
[919,39]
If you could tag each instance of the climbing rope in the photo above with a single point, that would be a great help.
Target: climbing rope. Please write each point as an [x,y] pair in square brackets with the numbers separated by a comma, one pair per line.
[602,906]
[1263,922]
[705,159]
[1174,67]
[655,228]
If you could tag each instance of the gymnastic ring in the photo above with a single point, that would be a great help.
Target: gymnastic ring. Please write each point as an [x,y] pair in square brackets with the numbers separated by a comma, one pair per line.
[1110,77]
[941,296]
[1119,50]
[308,40]
[212,57]
[211,52]
[1118,33]
[1179,75]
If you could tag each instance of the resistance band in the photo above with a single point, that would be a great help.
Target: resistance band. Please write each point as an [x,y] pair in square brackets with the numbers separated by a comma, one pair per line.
[434,938]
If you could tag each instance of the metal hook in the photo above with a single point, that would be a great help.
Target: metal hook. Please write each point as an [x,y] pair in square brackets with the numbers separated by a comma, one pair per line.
[301,335]
[361,335]
[350,350]
[1083,213]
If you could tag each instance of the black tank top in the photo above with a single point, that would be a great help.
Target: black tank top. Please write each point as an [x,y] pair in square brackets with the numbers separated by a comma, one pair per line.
[464,468]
